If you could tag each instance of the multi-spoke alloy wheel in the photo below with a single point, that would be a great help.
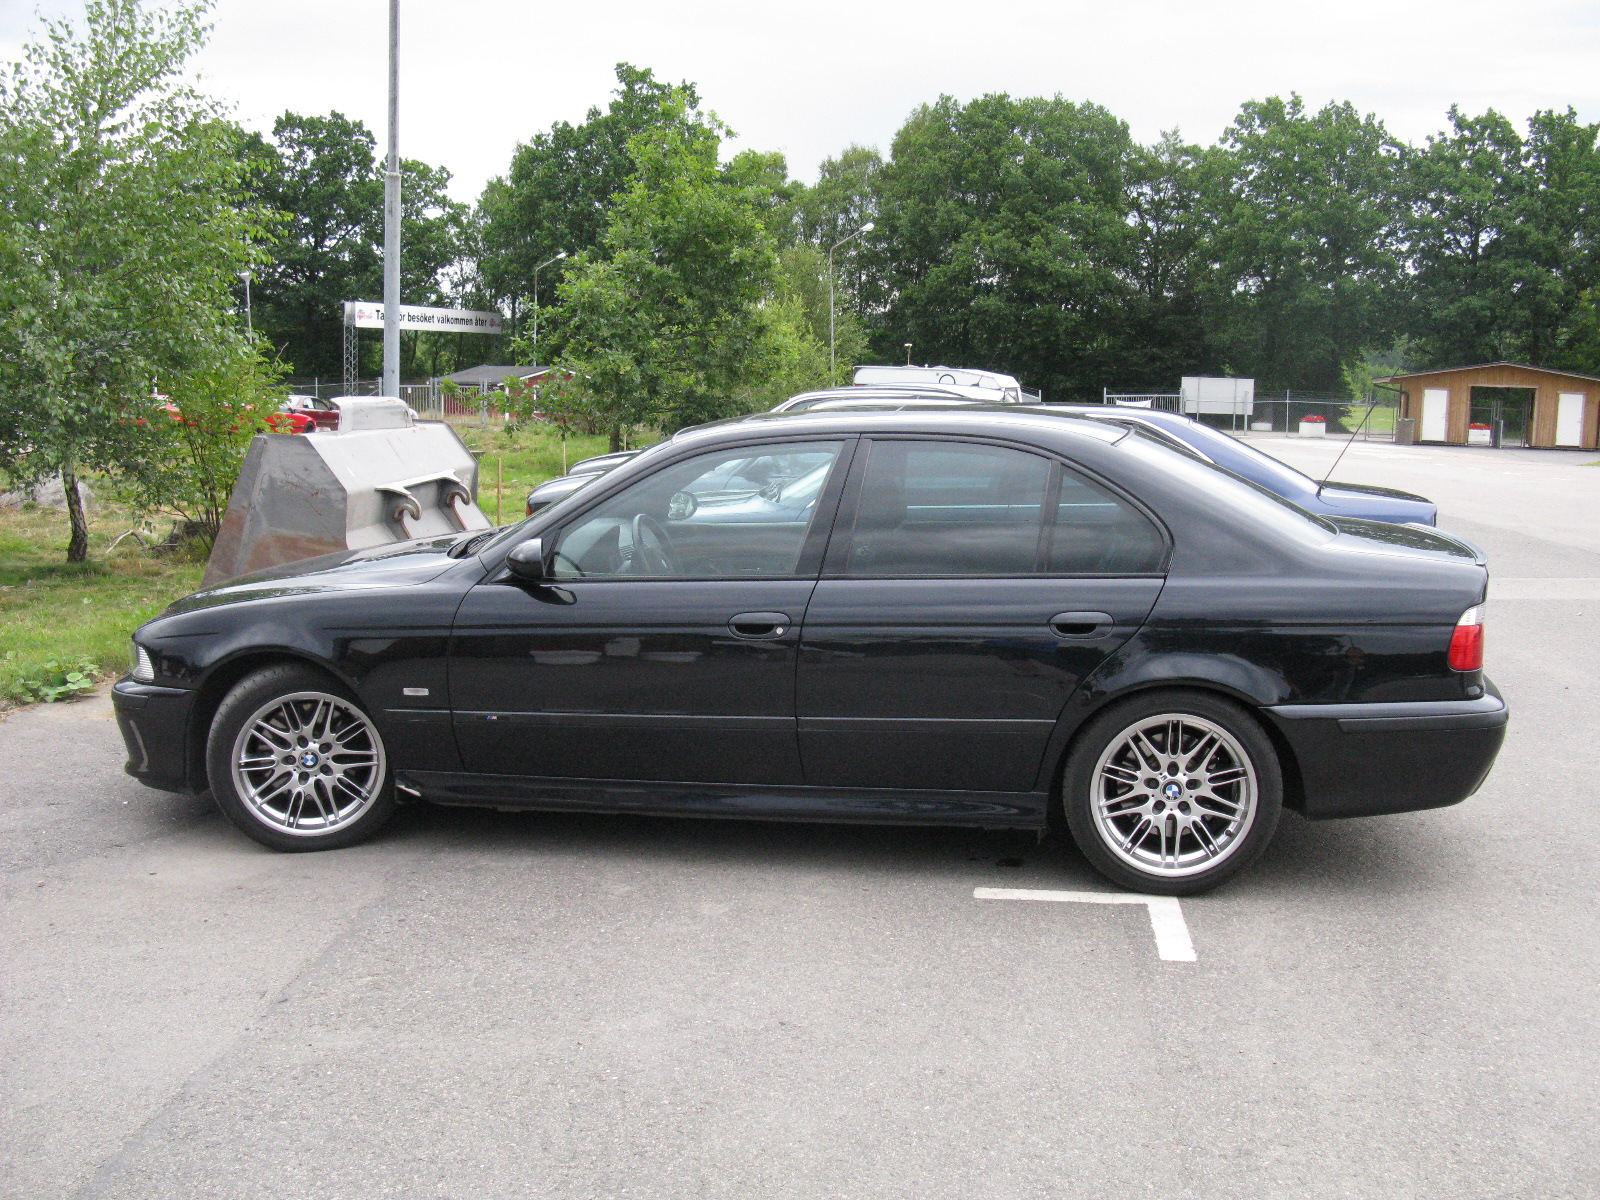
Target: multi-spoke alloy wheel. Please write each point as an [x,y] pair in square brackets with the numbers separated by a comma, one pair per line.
[296,763]
[1172,792]
[308,763]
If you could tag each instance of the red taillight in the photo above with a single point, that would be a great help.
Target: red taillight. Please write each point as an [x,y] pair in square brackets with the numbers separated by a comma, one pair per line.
[1466,643]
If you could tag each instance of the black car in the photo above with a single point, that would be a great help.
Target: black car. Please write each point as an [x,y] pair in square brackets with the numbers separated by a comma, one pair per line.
[937,616]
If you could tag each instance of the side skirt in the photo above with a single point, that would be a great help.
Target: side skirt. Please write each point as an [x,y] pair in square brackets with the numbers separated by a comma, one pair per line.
[996,810]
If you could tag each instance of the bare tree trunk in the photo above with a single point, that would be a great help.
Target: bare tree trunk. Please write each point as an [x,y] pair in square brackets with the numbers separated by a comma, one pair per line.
[616,438]
[78,544]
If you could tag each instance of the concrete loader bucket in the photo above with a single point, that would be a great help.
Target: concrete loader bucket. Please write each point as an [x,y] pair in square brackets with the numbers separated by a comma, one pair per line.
[381,478]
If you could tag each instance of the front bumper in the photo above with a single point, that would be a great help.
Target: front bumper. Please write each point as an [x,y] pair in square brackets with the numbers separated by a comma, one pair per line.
[154,722]
[1360,760]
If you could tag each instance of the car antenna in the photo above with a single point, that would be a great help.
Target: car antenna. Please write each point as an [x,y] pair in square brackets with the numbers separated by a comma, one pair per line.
[1371,404]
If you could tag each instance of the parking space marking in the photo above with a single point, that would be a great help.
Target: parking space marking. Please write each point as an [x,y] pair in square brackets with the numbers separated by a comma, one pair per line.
[1166,914]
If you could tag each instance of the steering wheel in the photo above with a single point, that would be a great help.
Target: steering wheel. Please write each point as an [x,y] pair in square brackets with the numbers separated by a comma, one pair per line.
[658,559]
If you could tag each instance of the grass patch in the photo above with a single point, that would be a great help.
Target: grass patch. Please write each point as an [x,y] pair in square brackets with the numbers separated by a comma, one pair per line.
[59,618]
[525,458]
[61,622]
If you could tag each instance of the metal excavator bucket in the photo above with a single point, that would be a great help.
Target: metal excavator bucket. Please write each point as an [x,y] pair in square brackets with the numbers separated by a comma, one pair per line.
[382,477]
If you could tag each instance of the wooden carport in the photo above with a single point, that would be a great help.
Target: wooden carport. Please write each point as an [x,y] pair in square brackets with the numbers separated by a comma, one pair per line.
[1562,412]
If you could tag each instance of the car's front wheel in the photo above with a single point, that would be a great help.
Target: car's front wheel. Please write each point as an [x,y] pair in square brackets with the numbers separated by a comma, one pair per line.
[296,763]
[1172,792]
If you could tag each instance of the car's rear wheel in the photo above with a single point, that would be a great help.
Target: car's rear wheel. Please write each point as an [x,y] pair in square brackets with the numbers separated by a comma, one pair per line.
[1172,792]
[296,763]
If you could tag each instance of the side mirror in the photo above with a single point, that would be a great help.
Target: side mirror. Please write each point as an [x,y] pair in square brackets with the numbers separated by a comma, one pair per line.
[526,562]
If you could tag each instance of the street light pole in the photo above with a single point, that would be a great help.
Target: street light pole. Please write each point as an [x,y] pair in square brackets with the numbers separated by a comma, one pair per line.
[832,367]
[249,331]
[536,271]
[391,218]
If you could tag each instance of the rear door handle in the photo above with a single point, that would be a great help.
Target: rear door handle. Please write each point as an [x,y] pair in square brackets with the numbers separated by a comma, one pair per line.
[760,626]
[1081,624]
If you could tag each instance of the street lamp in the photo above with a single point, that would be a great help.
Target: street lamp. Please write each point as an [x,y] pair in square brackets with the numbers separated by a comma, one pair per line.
[908,354]
[249,332]
[536,271]
[867,228]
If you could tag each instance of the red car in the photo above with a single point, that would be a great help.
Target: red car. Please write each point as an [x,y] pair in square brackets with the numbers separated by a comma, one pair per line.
[283,421]
[323,414]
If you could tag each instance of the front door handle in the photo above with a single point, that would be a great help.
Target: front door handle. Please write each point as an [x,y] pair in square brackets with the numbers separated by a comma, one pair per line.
[1081,624]
[760,626]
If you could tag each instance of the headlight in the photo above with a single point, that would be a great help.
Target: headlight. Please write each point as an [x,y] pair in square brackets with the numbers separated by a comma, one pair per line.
[140,667]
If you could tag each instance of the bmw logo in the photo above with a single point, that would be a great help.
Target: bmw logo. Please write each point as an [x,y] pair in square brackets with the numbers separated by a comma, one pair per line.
[1173,791]
[308,760]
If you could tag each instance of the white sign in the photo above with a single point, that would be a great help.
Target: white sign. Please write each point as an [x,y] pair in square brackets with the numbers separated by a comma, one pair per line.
[1202,394]
[364,314]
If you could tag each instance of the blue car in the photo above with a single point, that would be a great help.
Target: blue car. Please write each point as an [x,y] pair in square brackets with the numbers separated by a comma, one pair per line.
[1329,499]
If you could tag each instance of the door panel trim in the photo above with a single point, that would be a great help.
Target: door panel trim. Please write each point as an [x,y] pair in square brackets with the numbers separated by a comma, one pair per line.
[668,721]
[952,725]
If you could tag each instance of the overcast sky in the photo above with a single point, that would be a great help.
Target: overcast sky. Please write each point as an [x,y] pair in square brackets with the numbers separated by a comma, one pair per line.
[478,76]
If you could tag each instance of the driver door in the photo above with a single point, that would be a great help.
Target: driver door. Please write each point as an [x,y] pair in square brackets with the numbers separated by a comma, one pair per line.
[664,646]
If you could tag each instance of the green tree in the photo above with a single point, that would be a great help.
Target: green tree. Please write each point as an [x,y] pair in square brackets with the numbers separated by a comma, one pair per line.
[216,409]
[662,323]
[1164,331]
[558,192]
[1003,241]
[322,174]
[121,235]
[1304,209]
[1504,233]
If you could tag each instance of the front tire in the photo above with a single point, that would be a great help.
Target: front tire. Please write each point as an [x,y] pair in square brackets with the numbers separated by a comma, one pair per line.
[1172,793]
[296,763]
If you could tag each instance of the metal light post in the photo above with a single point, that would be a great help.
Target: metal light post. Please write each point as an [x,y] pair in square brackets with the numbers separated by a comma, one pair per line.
[867,228]
[536,271]
[391,218]
[908,354]
[249,332]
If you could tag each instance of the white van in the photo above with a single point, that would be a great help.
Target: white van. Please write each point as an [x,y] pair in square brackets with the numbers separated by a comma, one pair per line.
[1007,385]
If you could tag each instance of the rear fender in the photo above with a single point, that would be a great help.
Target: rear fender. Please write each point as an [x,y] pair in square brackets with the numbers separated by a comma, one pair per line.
[1125,674]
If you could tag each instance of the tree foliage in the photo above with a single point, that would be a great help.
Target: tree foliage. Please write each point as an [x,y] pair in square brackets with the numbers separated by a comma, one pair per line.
[323,176]
[662,323]
[558,192]
[121,235]
[1002,239]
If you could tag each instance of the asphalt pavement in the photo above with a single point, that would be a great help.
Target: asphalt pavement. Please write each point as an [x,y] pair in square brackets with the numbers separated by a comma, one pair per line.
[484,1005]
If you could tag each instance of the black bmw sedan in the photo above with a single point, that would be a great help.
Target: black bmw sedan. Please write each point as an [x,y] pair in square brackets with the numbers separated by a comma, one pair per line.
[954,616]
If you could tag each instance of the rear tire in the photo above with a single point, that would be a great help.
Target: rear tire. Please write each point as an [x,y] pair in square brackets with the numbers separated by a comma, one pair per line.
[296,763]
[1172,792]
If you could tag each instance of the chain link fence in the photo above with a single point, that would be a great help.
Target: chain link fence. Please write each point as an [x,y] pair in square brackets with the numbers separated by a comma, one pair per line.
[1287,410]
[429,402]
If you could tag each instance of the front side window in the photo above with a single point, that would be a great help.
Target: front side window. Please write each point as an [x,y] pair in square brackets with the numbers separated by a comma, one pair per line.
[951,508]
[728,514]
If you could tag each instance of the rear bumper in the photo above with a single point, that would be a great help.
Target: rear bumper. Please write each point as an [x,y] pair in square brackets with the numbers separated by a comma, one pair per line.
[155,725]
[1359,760]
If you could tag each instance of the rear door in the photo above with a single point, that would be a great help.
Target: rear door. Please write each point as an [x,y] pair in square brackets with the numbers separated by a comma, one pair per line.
[970,587]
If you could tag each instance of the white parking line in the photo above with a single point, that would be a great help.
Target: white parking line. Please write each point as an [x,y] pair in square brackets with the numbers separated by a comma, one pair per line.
[1166,914]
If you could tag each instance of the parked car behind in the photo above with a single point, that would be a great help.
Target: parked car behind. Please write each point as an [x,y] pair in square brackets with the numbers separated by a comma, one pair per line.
[583,472]
[1214,446]
[1332,498]
[989,617]
[322,414]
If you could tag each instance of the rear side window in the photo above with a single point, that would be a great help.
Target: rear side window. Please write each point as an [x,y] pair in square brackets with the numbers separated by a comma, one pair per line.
[952,508]
[1096,533]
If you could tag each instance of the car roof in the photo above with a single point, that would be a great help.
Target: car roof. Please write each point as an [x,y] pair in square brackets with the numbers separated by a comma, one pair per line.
[954,419]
